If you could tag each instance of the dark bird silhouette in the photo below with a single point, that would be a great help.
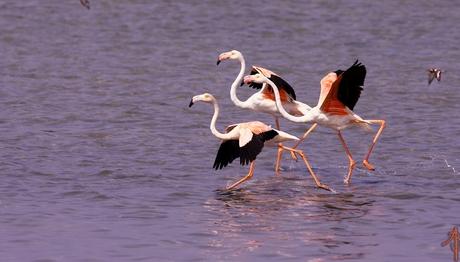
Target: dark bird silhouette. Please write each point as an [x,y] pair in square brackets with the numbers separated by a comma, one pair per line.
[434,73]
[85,3]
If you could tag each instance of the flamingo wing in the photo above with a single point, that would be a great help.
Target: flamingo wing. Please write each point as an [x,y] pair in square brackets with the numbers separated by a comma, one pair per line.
[342,89]
[351,85]
[284,87]
[250,150]
[326,85]
[230,128]
[259,70]
[228,151]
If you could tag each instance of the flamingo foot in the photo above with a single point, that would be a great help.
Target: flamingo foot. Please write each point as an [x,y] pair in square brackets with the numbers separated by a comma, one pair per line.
[277,172]
[325,187]
[368,165]
[233,186]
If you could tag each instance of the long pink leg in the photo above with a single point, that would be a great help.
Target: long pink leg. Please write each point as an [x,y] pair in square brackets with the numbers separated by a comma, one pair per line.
[280,150]
[374,141]
[352,162]
[305,160]
[305,135]
[247,177]
[293,155]
[303,138]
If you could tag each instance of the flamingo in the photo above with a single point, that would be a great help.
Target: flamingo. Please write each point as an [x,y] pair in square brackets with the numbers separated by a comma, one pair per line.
[246,141]
[340,91]
[264,100]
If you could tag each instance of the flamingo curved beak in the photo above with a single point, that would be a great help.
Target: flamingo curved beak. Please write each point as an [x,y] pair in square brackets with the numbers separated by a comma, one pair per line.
[191,103]
[222,57]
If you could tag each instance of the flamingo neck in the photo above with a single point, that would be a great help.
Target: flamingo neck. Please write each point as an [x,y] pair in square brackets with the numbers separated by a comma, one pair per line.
[212,126]
[236,83]
[307,117]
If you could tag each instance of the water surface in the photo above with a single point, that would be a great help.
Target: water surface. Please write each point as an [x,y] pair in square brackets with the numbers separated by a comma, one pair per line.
[102,160]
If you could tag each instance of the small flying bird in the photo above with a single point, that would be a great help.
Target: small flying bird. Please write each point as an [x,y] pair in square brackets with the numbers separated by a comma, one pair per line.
[85,3]
[246,141]
[264,99]
[340,91]
[434,73]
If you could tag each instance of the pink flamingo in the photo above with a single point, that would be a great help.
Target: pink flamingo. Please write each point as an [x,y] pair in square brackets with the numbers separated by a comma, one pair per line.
[246,141]
[264,99]
[340,91]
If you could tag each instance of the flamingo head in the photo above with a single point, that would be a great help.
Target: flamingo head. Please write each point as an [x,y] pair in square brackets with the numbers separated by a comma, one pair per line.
[234,54]
[257,78]
[206,97]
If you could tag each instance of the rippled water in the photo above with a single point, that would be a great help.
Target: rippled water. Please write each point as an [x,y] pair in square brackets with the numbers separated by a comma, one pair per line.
[102,160]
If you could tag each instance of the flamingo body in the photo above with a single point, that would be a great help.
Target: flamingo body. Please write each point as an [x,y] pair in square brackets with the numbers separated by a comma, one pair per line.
[264,99]
[340,91]
[243,140]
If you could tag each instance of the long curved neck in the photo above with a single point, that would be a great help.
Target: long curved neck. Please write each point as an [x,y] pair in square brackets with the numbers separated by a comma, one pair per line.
[308,117]
[236,83]
[212,126]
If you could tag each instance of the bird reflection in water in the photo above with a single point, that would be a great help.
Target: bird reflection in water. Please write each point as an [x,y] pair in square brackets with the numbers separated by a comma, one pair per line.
[289,224]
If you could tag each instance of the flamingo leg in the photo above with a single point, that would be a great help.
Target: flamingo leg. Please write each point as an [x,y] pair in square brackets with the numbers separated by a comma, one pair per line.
[280,150]
[305,160]
[247,177]
[302,139]
[374,141]
[352,162]
[293,154]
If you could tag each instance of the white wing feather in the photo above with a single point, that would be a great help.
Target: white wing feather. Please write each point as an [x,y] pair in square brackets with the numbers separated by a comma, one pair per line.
[245,136]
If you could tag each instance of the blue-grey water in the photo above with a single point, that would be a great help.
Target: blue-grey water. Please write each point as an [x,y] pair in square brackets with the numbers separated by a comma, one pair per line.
[102,160]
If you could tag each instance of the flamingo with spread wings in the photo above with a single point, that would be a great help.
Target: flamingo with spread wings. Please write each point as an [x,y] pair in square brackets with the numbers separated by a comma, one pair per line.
[246,141]
[340,91]
[264,99]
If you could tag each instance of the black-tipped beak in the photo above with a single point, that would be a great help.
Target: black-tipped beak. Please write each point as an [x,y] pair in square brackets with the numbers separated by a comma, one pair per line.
[191,103]
[242,83]
[218,62]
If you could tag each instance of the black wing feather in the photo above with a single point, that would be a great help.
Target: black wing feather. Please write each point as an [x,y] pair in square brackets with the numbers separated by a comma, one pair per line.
[250,151]
[268,135]
[350,86]
[278,81]
[254,85]
[282,84]
[228,151]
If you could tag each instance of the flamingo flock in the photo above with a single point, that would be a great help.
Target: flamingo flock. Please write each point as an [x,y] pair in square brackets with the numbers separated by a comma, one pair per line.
[339,93]
[263,100]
